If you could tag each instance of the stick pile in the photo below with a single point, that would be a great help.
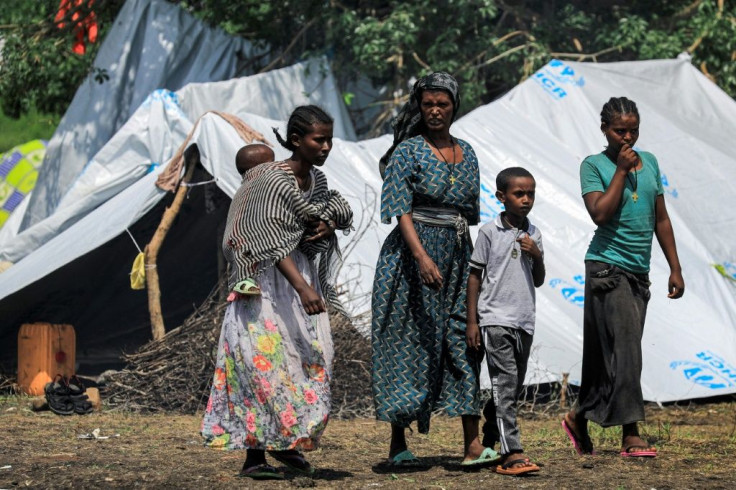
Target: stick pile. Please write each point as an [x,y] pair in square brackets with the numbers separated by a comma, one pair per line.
[174,374]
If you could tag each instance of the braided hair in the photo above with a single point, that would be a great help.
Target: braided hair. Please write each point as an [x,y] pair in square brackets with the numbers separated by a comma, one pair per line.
[617,107]
[300,123]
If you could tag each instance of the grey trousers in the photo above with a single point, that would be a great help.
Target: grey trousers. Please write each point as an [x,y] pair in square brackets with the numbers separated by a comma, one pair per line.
[614,313]
[507,355]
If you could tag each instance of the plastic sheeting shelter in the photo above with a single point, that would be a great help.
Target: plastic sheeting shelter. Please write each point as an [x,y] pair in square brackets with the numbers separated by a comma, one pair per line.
[161,123]
[152,44]
[18,173]
[547,124]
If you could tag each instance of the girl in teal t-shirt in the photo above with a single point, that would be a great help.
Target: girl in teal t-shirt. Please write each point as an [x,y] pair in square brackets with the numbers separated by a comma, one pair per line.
[623,194]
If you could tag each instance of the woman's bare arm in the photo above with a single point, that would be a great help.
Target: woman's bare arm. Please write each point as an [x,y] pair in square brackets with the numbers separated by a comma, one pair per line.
[666,239]
[312,302]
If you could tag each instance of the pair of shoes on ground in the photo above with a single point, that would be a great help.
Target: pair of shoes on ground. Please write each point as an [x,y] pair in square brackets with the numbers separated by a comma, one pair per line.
[406,459]
[292,459]
[586,447]
[66,396]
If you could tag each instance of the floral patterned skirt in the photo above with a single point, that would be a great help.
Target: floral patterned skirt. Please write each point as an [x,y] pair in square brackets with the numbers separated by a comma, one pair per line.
[271,386]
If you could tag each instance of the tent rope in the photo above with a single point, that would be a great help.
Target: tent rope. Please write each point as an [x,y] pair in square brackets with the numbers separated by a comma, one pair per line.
[147,266]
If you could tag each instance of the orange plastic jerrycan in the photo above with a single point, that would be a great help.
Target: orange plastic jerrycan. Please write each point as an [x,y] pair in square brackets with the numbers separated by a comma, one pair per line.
[44,350]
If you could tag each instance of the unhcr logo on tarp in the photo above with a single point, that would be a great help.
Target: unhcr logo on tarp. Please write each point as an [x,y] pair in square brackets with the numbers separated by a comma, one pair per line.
[573,293]
[554,75]
[669,188]
[490,206]
[727,270]
[710,371]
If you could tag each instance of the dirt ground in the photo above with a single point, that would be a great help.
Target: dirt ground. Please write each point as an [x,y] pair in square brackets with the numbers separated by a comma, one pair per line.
[697,445]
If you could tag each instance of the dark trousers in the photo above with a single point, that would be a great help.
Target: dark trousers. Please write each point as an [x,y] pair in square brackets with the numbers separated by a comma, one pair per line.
[507,354]
[614,313]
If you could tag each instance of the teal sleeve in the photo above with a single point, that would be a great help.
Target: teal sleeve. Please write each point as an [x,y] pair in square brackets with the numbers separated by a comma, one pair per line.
[398,189]
[590,178]
[658,175]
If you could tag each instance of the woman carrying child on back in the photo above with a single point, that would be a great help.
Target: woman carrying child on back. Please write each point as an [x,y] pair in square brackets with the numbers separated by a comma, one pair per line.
[271,385]
[623,194]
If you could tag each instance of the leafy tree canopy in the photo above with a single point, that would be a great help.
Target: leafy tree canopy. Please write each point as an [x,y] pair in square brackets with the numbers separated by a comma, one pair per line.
[490,45]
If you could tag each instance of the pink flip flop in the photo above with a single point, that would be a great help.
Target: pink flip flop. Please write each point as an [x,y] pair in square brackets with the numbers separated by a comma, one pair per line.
[575,442]
[627,453]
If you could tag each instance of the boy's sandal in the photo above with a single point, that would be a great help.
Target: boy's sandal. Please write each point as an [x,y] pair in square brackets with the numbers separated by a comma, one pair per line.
[508,467]
[78,396]
[57,396]
[247,286]
[261,472]
[294,460]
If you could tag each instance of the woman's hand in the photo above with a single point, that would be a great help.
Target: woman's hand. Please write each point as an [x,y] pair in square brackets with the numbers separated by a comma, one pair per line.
[676,285]
[318,229]
[429,272]
[312,302]
[627,158]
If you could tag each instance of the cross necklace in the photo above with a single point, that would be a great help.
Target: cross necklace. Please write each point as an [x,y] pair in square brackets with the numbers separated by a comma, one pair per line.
[634,185]
[451,167]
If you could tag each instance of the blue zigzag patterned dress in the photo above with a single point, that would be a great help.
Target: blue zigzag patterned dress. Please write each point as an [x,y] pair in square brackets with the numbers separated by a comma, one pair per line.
[420,359]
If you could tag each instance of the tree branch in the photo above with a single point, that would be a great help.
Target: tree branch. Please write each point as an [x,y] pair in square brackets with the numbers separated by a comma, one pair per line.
[293,42]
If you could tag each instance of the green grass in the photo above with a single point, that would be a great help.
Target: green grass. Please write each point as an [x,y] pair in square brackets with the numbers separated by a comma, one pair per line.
[28,127]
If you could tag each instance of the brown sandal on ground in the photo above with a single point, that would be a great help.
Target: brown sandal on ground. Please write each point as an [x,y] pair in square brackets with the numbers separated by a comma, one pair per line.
[510,468]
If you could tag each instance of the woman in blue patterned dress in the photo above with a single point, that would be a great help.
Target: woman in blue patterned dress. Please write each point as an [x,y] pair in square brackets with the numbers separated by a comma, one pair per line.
[420,358]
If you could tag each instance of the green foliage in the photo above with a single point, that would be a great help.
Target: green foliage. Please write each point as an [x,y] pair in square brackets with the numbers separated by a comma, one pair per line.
[490,45]
[30,126]
[38,68]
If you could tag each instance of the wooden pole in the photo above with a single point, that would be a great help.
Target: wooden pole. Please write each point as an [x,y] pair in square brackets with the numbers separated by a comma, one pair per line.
[152,283]
[563,390]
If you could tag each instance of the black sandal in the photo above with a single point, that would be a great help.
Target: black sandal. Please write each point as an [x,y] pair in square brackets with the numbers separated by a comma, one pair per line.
[58,397]
[78,396]
[294,460]
[261,472]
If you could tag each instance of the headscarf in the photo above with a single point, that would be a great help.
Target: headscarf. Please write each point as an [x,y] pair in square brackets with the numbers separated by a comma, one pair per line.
[409,121]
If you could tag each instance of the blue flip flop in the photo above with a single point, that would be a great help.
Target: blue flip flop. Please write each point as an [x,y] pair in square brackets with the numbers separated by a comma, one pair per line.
[405,459]
[485,457]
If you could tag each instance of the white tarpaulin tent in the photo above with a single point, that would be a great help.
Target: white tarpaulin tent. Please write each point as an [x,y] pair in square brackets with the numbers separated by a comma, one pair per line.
[161,123]
[152,44]
[547,124]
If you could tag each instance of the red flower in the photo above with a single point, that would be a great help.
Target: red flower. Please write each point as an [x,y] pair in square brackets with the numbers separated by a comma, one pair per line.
[261,363]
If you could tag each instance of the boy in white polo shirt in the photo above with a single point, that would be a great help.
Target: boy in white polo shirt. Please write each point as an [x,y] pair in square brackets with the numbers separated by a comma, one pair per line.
[506,267]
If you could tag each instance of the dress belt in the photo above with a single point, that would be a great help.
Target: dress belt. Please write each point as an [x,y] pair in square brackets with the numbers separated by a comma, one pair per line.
[444,217]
